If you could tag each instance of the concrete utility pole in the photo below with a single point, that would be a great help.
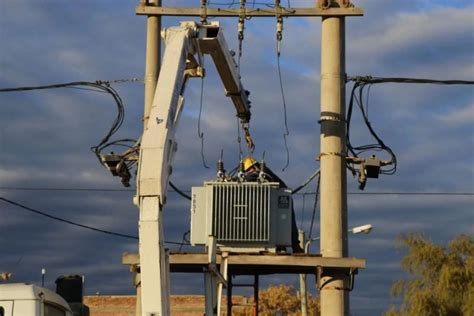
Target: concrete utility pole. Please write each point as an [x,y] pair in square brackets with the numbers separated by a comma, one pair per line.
[333,220]
[152,70]
[153,56]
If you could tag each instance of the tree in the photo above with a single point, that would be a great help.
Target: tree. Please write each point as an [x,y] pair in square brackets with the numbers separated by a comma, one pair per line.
[442,278]
[282,299]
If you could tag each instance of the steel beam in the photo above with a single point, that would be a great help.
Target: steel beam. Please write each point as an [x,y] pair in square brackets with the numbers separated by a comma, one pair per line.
[143,9]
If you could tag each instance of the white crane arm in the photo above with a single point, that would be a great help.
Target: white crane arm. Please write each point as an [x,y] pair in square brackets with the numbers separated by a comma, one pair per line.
[158,144]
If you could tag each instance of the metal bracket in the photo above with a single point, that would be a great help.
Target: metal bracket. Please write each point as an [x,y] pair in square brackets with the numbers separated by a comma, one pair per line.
[341,154]
[213,268]
[331,118]
[350,273]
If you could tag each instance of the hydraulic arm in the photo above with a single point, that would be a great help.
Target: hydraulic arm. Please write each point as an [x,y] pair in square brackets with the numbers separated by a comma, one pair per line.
[158,144]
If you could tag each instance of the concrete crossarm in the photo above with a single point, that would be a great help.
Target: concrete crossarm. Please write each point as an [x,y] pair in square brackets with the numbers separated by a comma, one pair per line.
[143,9]
[301,261]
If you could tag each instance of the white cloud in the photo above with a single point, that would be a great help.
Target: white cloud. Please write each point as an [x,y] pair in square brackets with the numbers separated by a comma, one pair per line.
[458,117]
[401,31]
[45,139]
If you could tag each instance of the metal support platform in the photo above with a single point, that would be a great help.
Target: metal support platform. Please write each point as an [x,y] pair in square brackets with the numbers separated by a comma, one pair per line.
[260,264]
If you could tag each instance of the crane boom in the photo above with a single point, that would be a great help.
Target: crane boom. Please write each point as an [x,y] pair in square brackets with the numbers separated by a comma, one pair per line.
[158,144]
[215,45]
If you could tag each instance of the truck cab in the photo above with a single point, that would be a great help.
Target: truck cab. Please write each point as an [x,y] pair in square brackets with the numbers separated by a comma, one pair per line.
[23,299]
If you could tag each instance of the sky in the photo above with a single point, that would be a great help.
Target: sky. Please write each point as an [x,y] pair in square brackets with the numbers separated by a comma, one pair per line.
[45,136]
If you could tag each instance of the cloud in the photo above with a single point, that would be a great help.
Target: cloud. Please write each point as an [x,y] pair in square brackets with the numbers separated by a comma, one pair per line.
[461,117]
[45,136]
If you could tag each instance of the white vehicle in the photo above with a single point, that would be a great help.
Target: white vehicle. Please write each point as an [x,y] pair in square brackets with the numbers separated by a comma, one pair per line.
[23,299]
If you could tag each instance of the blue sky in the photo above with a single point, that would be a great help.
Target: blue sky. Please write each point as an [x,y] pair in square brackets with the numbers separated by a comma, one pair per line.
[45,135]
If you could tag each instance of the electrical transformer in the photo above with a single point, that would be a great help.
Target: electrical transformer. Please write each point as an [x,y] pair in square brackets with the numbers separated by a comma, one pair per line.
[242,216]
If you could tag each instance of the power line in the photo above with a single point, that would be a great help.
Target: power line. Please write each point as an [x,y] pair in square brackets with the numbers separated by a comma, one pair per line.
[189,191]
[70,84]
[404,193]
[376,80]
[96,86]
[199,132]
[63,189]
[179,191]
[65,220]
[36,211]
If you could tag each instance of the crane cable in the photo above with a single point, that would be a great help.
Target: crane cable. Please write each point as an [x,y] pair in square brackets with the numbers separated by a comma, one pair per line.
[240,31]
[279,37]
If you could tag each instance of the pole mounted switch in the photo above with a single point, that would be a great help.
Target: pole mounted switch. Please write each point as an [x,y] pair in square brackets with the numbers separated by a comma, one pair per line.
[368,168]
[116,165]
[372,167]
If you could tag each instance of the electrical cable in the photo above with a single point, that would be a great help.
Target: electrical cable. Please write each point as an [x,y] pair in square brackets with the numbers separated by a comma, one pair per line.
[86,89]
[303,210]
[234,2]
[287,132]
[180,192]
[36,211]
[65,220]
[239,140]
[69,85]
[377,80]
[97,86]
[357,97]
[185,240]
[405,193]
[201,134]
[301,186]
[315,205]
[189,191]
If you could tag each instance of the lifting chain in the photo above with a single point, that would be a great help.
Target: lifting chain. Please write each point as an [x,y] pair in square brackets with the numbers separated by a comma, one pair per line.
[241,28]
[203,11]
[248,137]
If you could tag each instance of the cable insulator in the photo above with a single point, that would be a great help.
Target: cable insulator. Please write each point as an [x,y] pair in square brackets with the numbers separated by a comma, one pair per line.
[279,34]
[241,166]
[220,169]
[240,28]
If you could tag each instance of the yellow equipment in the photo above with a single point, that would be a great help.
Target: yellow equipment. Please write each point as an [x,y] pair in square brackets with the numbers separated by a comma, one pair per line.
[249,162]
